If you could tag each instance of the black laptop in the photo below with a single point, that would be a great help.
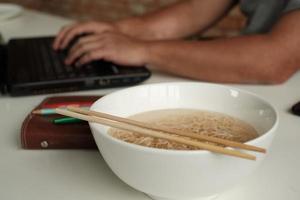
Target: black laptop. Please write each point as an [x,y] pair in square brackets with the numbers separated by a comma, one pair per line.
[29,66]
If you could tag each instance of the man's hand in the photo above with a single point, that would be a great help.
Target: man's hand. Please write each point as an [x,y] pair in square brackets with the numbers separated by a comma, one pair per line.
[67,33]
[111,46]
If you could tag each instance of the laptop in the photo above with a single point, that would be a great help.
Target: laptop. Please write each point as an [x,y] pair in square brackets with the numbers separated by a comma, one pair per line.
[30,66]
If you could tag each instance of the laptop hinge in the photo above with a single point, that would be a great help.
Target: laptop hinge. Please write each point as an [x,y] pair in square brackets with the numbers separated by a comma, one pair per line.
[3,67]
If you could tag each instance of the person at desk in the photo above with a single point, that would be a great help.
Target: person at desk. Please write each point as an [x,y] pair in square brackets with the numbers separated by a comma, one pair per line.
[267,51]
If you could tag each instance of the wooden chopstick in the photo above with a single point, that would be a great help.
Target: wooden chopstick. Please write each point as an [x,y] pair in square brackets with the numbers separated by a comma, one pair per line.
[167,130]
[156,134]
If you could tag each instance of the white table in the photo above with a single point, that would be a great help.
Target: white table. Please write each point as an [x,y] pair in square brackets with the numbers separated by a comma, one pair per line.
[83,174]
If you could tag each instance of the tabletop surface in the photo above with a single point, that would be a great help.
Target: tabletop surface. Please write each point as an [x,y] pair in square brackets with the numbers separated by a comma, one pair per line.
[83,174]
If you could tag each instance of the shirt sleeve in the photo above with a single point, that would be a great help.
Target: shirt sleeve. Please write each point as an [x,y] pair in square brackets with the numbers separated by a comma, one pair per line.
[292,5]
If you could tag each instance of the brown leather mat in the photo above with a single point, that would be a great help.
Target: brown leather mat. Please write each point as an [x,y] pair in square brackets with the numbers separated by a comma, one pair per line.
[38,131]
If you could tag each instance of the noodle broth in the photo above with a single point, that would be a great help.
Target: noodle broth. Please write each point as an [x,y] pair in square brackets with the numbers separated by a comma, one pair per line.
[201,122]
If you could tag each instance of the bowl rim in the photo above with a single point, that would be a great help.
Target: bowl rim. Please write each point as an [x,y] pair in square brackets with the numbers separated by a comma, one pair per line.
[184,152]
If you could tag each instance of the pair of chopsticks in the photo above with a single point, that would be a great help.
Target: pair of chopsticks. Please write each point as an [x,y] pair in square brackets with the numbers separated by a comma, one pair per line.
[161,132]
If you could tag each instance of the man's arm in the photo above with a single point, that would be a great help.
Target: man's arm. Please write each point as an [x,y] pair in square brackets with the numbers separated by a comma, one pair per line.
[269,58]
[265,58]
[176,21]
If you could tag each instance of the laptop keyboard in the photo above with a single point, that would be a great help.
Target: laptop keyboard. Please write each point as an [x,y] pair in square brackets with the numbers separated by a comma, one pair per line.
[48,64]
[2,67]
[56,63]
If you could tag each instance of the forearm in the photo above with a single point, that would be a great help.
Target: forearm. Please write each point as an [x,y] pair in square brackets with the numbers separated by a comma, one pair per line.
[245,59]
[177,21]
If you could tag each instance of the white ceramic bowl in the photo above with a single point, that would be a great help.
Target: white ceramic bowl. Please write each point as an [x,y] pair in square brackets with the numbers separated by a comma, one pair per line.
[173,174]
